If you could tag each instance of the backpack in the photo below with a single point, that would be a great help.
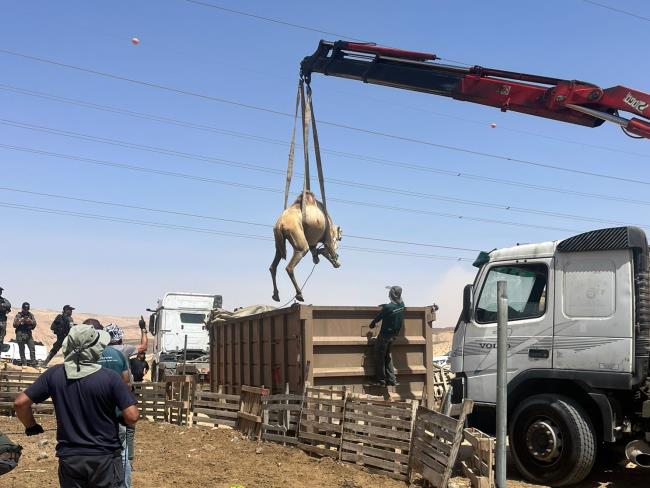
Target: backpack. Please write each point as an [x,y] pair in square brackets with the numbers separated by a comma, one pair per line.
[9,454]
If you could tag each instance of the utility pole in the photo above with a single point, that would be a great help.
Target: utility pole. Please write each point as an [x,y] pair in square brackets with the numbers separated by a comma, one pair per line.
[502,382]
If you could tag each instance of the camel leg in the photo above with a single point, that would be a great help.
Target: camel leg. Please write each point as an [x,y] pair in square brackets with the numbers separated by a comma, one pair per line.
[298,254]
[314,254]
[273,269]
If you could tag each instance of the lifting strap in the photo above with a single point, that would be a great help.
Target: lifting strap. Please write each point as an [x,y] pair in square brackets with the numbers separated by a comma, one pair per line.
[304,101]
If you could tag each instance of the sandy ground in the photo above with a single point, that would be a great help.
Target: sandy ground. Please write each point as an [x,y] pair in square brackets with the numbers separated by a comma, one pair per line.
[170,456]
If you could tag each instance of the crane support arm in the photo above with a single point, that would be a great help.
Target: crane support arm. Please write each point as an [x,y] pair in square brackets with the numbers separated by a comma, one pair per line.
[572,101]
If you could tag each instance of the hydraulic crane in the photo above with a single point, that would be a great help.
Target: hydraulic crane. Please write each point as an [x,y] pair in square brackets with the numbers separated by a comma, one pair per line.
[572,101]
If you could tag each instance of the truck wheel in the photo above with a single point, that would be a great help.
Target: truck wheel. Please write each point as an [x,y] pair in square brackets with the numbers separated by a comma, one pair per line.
[552,440]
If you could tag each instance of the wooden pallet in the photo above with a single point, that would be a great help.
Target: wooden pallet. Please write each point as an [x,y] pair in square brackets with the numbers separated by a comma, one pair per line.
[213,409]
[321,421]
[434,444]
[281,416]
[179,391]
[151,399]
[249,416]
[441,377]
[10,389]
[479,468]
[376,435]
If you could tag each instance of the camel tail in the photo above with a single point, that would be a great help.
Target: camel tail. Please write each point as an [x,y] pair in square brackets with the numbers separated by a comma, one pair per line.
[280,243]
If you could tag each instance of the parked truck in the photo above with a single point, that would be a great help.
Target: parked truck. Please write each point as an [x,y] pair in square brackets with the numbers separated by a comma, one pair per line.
[578,343]
[181,342]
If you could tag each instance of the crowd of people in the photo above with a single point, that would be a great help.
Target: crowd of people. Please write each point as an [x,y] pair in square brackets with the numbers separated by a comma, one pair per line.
[92,393]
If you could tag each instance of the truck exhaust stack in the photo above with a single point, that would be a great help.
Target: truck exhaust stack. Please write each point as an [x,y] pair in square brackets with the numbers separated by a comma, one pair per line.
[638,452]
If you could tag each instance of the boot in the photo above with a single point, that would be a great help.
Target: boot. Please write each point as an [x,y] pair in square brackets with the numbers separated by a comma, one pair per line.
[49,358]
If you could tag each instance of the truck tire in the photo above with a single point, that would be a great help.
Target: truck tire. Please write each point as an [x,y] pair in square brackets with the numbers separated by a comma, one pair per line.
[552,440]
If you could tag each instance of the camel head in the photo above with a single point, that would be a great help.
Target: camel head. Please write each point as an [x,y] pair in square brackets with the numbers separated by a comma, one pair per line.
[335,234]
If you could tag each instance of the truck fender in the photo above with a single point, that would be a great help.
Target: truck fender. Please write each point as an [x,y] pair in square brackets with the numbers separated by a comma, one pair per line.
[606,416]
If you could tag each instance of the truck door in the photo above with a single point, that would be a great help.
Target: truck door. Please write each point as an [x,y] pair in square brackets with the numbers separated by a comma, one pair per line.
[530,326]
[594,313]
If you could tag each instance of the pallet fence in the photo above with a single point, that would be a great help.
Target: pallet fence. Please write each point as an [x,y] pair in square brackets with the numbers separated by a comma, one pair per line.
[214,409]
[151,399]
[376,435]
[435,441]
[281,416]
[179,392]
[320,430]
[479,468]
[249,416]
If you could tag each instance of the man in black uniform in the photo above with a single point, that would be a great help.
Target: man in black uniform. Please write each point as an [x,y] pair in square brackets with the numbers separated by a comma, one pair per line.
[5,308]
[25,323]
[61,327]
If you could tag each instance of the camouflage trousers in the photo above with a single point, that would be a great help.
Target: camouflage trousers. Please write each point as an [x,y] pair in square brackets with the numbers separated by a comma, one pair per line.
[3,330]
[25,337]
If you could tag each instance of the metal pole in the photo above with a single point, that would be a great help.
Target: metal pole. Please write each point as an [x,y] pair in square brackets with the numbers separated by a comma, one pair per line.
[185,354]
[502,382]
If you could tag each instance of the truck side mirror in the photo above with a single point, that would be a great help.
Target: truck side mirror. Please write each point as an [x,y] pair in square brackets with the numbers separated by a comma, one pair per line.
[152,324]
[467,303]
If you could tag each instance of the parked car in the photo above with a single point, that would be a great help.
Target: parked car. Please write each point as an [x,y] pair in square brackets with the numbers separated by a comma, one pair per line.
[443,360]
[9,352]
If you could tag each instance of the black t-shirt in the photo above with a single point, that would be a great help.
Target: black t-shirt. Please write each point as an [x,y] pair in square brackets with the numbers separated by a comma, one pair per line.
[138,368]
[85,409]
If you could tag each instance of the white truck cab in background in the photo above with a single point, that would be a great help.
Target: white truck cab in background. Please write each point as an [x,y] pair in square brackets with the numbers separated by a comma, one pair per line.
[180,317]
[578,338]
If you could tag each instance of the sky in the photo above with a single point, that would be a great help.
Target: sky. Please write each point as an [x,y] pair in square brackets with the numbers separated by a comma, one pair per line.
[69,136]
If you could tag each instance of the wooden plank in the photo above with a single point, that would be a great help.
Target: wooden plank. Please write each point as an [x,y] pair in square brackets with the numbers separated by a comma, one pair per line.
[375,419]
[279,438]
[369,429]
[254,389]
[250,417]
[376,462]
[377,441]
[216,413]
[323,439]
[322,413]
[319,450]
[361,449]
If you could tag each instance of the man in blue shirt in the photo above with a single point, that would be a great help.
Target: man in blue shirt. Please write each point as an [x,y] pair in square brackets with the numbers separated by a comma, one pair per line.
[85,398]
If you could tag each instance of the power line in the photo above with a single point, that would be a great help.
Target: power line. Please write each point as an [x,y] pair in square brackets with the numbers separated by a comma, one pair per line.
[174,174]
[275,21]
[291,24]
[620,11]
[202,230]
[360,157]
[211,217]
[332,124]
[265,169]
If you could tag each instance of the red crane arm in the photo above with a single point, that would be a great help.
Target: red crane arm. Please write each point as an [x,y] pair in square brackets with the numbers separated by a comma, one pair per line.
[571,101]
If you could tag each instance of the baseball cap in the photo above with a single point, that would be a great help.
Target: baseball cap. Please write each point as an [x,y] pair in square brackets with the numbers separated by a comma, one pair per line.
[68,307]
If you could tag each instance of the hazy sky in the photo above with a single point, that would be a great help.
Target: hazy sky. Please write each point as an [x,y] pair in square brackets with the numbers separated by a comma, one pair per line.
[122,266]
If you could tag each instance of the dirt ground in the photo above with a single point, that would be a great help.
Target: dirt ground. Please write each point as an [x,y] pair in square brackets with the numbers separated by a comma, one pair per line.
[170,456]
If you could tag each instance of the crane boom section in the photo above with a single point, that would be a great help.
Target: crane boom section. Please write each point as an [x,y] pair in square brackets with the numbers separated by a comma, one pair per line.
[572,101]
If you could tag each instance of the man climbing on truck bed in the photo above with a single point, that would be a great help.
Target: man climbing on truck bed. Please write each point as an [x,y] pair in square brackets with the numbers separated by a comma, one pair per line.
[392,320]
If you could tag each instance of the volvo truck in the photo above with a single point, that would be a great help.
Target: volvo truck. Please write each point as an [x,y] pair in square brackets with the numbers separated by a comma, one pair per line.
[578,342]
[181,341]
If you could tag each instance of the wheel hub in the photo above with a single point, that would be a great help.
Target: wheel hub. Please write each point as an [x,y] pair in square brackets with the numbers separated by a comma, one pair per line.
[544,440]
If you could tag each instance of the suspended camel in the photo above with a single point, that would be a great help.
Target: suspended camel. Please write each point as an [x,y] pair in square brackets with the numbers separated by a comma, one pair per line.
[304,231]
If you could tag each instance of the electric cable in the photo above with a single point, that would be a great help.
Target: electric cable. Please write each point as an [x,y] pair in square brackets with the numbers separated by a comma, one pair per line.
[360,157]
[378,133]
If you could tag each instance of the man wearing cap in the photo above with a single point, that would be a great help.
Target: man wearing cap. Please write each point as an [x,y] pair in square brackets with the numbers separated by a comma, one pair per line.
[85,398]
[5,308]
[391,317]
[25,323]
[61,327]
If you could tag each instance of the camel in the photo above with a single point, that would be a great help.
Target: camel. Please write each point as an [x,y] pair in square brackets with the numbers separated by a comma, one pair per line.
[304,235]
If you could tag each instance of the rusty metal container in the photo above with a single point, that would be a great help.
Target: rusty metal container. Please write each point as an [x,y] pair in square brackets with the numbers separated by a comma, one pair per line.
[327,346]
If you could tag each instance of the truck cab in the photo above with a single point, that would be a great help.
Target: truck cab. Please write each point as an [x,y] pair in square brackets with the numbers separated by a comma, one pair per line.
[578,336]
[179,330]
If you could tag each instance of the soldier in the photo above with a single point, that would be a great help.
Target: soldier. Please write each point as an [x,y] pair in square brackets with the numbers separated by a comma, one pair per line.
[5,308]
[61,327]
[25,323]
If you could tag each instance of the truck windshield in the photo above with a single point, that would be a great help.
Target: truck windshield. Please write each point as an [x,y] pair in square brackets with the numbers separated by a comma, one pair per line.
[192,318]
[526,292]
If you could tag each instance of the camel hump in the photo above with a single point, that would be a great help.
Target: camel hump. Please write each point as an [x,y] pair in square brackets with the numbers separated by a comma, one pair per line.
[311,199]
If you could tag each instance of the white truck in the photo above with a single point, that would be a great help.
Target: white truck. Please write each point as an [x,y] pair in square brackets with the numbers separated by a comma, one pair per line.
[179,319]
[578,345]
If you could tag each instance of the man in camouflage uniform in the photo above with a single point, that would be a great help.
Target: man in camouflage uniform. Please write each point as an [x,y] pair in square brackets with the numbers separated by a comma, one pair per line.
[61,327]
[5,308]
[25,323]
[9,454]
